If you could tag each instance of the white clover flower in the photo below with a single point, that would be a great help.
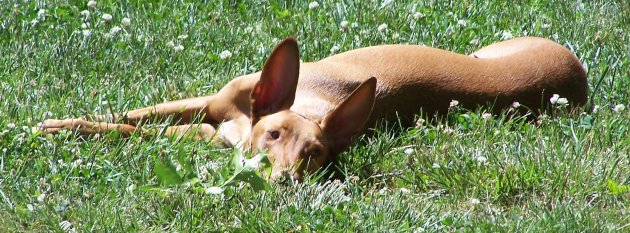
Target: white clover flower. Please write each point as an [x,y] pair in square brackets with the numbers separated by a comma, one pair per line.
[334,49]
[61,163]
[91,4]
[545,25]
[41,13]
[47,114]
[85,13]
[418,15]
[409,151]
[115,30]
[435,166]
[382,27]
[34,22]
[579,6]
[107,17]
[486,116]
[461,23]
[619,108]
[448,130]
[66,226]
[214,190]
[382,191]
[178,48]
[481,159]
[420,122]
[554,99]
[131,188]
[225,54]
[505,35]
[395,36]
[355,25]
[449,14]
[595,108]
[474,42]
[85,25]
[344,24]
[86,33]
[516,104]
[405,191]
[41,197]
[386,3]
[141,38]
[10,126]
[30,207]
[170,44]
[313,5]
[126,22]
[76,163]
[563,101]
[453,103]
[212,166]
[182,37]
[474,201]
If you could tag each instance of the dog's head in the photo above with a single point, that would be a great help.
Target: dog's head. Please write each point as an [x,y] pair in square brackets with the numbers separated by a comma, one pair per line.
[295,144]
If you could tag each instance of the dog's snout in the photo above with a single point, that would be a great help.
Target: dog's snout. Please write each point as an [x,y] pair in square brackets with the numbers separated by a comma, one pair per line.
[296,177]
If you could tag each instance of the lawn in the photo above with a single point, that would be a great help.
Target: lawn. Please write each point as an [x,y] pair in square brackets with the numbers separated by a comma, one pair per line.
[469,172]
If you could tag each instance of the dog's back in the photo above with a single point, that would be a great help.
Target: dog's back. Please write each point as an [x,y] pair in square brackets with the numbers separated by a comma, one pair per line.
[412,77]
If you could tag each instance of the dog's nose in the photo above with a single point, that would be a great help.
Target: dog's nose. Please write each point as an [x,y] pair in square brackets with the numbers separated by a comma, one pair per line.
[296,177]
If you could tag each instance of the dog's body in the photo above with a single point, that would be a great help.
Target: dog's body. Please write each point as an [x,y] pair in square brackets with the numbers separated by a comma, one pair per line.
[308,122]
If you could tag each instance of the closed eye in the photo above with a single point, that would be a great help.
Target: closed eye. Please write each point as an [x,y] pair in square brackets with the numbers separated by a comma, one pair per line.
[314,153]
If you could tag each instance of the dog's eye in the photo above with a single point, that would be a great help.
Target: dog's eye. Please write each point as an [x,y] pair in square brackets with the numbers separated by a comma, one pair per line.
[314,153]
[275,134]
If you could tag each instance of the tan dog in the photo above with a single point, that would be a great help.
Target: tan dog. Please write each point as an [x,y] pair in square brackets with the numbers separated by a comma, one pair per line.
[303,123]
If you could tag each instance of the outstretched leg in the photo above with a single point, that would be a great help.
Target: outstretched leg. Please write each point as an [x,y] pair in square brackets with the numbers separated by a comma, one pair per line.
[83,127]
[180,111]
[231,105]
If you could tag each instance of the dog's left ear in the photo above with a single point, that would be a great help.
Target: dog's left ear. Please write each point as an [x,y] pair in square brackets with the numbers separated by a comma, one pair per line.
[350,117]
[275,91]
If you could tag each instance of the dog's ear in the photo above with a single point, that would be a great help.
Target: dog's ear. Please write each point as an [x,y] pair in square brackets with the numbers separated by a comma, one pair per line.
[275,91]
[341,124]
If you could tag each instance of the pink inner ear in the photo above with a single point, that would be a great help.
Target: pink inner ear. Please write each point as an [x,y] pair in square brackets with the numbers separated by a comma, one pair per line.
[275,91]
[263,100]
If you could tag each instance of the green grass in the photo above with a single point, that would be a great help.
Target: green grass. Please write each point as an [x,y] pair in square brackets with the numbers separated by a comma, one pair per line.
[565,173]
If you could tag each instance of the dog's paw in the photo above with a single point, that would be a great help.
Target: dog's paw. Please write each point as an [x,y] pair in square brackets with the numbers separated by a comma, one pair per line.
[53,126]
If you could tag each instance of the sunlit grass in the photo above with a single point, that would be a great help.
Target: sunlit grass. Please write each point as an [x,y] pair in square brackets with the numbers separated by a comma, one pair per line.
[469,172]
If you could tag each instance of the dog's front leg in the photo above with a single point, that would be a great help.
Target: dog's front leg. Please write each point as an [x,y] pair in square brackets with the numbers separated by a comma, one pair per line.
[84,127]
[181,112]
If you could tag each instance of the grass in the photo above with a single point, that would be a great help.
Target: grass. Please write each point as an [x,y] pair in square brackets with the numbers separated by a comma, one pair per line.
[565,173]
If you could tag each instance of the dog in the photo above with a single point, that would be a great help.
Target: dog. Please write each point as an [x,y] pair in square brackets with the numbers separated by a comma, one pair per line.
[304,114]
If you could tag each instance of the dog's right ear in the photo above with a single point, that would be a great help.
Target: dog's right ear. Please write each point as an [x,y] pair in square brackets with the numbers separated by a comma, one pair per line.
[275,91]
